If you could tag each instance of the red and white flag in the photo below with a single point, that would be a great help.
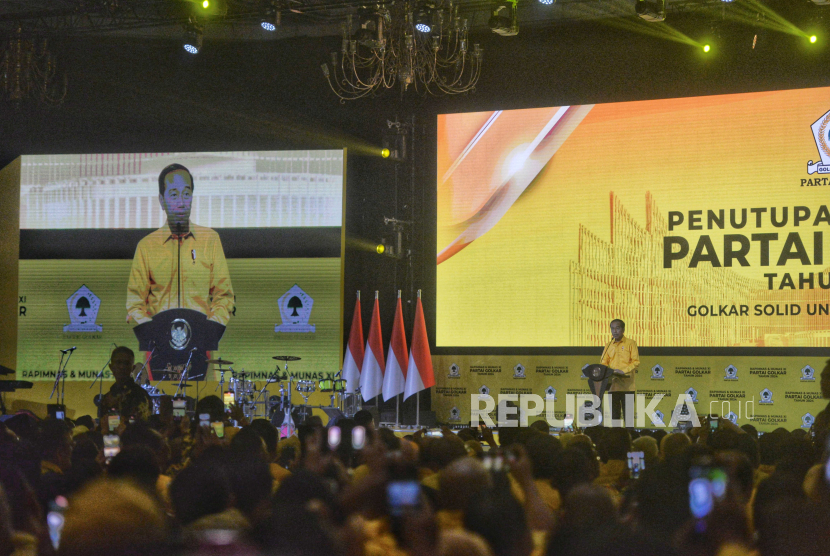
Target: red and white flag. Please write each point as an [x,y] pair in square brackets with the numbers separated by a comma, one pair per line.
[419,375]
[371,373]
[353,361]
[394,378]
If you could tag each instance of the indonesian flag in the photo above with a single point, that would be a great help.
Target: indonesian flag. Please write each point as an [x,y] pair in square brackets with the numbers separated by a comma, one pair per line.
[353,361]
[419,375]
[394,377]
[371,373]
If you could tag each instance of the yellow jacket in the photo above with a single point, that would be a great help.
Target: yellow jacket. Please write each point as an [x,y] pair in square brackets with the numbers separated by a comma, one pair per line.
[625,356]
[190,272]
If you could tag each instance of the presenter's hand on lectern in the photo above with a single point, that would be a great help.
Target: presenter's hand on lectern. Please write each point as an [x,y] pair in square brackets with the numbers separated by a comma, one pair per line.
[619,373]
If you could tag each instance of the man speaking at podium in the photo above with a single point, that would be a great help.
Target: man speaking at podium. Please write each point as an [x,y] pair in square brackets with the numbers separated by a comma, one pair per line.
[179,271]
[622,356]
[181,265]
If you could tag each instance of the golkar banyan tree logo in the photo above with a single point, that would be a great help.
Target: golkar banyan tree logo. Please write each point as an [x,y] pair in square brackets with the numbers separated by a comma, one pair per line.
[821,129]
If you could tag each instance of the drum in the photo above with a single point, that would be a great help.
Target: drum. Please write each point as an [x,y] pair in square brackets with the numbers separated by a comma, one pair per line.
[352,403]
[327,385]
[306,387]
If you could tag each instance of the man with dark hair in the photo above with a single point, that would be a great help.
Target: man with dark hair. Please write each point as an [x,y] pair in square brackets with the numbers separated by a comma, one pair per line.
[125,397]
[181,265]
[622,355]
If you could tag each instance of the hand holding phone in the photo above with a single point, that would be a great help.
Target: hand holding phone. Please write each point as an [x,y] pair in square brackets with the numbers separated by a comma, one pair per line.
[179,408]
[112,446]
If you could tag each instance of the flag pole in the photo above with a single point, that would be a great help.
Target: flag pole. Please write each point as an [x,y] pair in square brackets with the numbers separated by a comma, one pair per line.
[418,394]
[398,397]
[377,398]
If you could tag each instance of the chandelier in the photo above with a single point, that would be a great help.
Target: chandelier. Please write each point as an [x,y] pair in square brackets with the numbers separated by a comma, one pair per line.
[28,71]
[421,45]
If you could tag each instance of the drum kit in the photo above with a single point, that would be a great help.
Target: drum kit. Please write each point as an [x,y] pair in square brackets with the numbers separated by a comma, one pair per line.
[241,389]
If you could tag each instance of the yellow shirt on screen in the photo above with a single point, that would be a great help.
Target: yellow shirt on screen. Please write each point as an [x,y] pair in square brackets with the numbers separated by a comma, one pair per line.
[622,355]
[187,272]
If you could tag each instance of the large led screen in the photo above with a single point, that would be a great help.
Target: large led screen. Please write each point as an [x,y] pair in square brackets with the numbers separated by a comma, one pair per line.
[701,222]
[259,264]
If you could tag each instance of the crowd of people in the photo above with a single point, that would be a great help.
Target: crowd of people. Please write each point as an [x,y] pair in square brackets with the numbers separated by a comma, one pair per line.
[174,486]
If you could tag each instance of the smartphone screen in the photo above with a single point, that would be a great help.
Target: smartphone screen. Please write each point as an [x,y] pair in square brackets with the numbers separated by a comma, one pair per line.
[55,519]
[227,397]
[113,421]
[219,428]
[334,436]
[636,463]
[714,420]
[60,415]
[707,485]
[179,408]
[112,445]
[204,420]
[403,495]
[358,438]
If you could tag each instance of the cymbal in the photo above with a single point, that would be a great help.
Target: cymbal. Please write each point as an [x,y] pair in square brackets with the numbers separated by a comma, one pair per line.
[285,358]
[163,372]
[219,362]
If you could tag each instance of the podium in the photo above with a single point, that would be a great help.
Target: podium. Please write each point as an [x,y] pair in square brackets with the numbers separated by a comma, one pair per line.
[599,379]
[173,334]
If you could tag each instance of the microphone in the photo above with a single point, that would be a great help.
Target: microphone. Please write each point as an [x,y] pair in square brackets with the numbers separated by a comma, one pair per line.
[73,348]
[193,255]
[195,349]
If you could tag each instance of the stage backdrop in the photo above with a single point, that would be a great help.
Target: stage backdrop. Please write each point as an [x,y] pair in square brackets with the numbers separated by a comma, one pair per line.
[279,218]
[703,223]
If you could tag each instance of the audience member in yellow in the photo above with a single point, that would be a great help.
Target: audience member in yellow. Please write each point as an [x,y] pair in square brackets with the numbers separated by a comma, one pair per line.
[181,265]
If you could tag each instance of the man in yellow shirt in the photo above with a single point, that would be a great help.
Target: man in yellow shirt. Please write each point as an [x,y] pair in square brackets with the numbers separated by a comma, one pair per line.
[181,265]
[622,356]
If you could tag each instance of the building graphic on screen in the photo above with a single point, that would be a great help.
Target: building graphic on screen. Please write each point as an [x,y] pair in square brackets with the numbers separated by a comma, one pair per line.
[285,189]
[653,300]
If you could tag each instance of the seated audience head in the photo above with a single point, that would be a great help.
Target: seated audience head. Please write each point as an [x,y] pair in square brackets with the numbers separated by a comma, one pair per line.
[113,518]
[460,481]
[673,445]
[199,490]
[269,434]
[56,443]
[501,521]
[135,463]
[213,406]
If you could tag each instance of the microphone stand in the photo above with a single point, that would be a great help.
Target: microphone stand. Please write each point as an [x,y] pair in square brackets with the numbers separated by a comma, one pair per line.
[60,379]
[183,378]
[138,376]
[57,376]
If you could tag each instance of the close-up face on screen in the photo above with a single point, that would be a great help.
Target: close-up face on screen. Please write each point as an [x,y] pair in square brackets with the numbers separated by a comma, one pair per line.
[185,256]
[697,221]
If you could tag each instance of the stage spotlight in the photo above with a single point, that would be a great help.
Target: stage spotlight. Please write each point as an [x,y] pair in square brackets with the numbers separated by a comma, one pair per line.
[206,4]
[504,20]
[422,17]
[268,26]
[193,40]
[547,2]
[813,39]
[381,249]
[384,153]
[706,48]
[651,10]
